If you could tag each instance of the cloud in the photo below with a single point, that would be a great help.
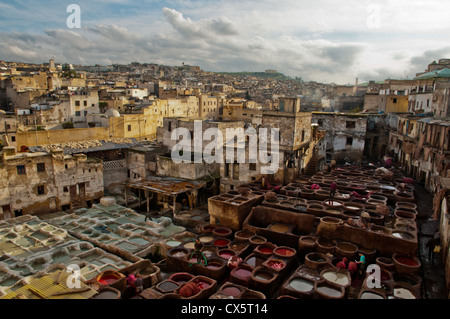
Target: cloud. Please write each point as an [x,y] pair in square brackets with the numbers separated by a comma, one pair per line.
[205,28]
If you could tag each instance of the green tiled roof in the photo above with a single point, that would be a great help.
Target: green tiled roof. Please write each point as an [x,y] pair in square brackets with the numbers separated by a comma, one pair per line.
[444,73]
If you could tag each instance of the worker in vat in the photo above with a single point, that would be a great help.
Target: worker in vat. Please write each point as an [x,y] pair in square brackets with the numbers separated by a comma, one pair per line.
[333,188]
[365,218]
[198,250]
[139,283]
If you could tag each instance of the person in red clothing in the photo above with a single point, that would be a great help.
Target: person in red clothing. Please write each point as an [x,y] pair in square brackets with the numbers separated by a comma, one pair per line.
[343,263]
[353,267]
[333,188]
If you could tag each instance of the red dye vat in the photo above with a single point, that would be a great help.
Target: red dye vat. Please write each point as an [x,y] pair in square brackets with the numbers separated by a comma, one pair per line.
[284,252]
[231,291]
[407,261]
[265,250]
[275,264]
[221,242]
[107,280]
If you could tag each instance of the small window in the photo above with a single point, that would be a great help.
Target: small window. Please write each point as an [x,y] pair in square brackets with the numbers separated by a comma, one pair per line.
[67,167]
[394,100]
[303,135]
[252,167]
[77,113]
[85,113]
[350,124]
[21,170]
[77,103]
[85,103]
[41,190]
[65,189]
[13,138]
[40,167]
[349,141]
[129,128]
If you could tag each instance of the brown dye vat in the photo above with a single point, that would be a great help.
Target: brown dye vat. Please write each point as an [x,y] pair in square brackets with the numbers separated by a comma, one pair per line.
[326,290]
[325,245]
[369,253]
[181,277]
[315,209]
[257,240]
[243,235]
[223,232]
[404,196]
[108,293]
[376,218]
[403,234]
[406,205]
[332,203]
[316,260]
[281,228]
[332,212]
[346,249]
[249,294]
[263,280]
[321,194]
[379,198]
[384,262]
[404,214]
[306,244]
[353,208]
[330,223]
[207,229]
[306,193]
[167,286]
[400,226]
[216,268]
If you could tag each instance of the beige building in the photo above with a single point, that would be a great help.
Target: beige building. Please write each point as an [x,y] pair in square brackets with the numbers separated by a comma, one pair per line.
[41,183]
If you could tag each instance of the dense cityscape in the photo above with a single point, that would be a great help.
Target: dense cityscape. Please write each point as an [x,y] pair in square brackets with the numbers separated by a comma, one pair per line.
[346,197]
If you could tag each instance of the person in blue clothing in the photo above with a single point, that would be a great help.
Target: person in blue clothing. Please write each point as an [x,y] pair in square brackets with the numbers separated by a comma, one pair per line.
[361,263]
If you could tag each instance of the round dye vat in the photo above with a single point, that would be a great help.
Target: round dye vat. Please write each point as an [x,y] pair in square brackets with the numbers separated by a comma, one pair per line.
[202,284]
[284,252]
[231,291]
[370,295]
[206,239]
[221,231]
[179,254]
[407,261]
[107,279]
[275,264]
[213,265]
[301,285]
[336,277]
[257,240]
[227,254]
[190,245]
[279,228]
[221,242]
[403,293]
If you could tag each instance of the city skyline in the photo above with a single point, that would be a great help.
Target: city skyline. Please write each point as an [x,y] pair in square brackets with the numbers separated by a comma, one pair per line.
[322,41]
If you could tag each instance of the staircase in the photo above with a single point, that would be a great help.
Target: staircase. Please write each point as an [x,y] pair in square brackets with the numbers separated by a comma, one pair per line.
[76,204]
[311,167]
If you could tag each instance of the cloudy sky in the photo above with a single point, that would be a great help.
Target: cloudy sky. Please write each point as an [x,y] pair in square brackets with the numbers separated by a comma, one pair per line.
[321,40]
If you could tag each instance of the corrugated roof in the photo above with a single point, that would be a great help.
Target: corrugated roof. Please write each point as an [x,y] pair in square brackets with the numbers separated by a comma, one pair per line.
[444,73]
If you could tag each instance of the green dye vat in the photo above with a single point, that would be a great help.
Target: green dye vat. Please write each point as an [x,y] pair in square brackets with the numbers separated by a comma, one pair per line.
[61,258]
[107,260]
[25,241]
[127,246]
[40,236]
[8,282]
[139,241]
[173,243]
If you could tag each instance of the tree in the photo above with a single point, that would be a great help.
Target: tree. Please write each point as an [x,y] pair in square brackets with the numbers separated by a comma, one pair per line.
[247,96]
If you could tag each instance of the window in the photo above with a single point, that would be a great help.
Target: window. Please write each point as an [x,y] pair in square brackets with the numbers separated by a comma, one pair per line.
[65,189]
[77,103]
[350,124]
[41,190]
[252,167]
[129,128]
[303,135]
[13,138]
[77,113]
[85,113]
[85,103]
[349,141]
[394,100]
[21,170]
[8,127]
[40,167]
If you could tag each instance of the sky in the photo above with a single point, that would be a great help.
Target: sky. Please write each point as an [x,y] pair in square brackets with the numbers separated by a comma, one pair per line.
[326,41]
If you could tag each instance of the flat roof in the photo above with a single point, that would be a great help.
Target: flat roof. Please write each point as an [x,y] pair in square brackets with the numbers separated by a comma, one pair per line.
[165,185]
